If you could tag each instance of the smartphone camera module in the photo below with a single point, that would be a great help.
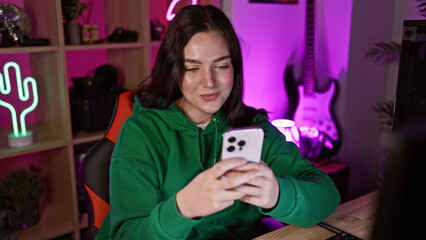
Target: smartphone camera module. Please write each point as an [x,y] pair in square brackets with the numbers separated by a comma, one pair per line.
[230,148]
[241,144]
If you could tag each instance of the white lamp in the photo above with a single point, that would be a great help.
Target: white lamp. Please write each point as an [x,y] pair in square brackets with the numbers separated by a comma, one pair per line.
[289,129]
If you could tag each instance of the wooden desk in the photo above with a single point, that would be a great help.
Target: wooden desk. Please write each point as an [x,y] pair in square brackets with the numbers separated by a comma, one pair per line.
[355,217]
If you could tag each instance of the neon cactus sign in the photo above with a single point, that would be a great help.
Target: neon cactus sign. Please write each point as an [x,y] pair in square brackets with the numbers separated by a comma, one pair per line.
[18,138]
[169,14]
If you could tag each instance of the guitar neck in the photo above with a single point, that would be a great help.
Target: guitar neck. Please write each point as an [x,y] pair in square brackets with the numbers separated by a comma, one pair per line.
[309,59]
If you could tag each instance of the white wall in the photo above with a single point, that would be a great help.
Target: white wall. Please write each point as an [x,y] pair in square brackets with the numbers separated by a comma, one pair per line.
[364,86]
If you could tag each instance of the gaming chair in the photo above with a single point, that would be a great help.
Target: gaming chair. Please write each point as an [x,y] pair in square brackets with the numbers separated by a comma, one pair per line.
[94,170]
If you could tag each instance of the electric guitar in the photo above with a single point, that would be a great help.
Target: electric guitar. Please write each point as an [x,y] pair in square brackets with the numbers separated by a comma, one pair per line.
[309,108]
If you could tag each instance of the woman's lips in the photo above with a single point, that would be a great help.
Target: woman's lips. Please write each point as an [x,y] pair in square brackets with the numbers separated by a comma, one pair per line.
[210,97]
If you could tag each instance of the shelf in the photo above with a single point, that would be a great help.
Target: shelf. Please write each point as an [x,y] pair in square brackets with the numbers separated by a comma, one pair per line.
[49,226]
[14,50]
[38,146]
[105,46]
[44,139]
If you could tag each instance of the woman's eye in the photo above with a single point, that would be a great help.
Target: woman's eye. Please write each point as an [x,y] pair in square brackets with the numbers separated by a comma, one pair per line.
[223,67]
[191,69]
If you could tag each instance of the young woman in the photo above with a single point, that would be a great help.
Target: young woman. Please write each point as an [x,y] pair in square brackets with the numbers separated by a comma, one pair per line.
[166,175]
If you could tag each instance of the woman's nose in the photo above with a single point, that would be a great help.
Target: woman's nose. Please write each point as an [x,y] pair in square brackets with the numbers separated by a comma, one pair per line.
[208,79]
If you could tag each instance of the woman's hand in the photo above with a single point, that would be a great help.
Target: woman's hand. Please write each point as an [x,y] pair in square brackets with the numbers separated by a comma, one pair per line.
[210,192]
[262,191]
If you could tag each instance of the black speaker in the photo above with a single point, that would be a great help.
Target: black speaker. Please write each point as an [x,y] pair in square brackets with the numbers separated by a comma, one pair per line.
[410,99]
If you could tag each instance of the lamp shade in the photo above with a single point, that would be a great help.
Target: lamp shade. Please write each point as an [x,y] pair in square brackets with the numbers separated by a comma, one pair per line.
[289,129]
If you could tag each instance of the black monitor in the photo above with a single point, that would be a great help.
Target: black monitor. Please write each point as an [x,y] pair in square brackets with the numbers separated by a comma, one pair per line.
[410,99]
[401,207]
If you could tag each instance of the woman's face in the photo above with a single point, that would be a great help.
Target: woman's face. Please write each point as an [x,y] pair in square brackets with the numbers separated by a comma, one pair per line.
[208,78]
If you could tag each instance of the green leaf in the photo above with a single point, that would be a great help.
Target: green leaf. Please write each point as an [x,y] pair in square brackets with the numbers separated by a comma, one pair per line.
[422,7]
[384,112]
[384,52]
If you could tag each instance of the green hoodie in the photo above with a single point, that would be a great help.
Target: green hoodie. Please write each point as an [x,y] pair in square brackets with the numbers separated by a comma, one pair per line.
[159,151]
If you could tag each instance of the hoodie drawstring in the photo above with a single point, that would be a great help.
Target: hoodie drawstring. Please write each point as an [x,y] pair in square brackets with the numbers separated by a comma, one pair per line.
[198,141]
[215,141]
[215,144]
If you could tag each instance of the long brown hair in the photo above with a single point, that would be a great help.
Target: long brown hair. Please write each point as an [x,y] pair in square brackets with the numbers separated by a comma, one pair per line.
[169,66]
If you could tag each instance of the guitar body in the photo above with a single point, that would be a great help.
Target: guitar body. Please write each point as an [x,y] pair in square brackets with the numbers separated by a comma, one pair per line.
[313,111]
[313,114]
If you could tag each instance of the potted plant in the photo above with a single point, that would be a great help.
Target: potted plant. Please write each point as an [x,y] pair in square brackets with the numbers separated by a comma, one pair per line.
[384,53]
[71,11]
[20,192]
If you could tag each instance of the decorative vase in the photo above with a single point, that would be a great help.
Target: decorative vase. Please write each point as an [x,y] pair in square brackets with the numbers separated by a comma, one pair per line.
[89,33]
[72,32]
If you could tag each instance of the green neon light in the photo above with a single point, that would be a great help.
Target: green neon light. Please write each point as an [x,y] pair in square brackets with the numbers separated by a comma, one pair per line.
[23,93]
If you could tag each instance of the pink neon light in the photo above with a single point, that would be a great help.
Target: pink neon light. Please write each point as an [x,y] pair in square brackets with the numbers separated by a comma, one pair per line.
[170,15]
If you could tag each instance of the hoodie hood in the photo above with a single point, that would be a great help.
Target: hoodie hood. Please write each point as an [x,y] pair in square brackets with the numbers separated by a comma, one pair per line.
[176,119]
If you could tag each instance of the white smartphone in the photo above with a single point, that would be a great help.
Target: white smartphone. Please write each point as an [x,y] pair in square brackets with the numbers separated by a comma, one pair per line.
[243,143]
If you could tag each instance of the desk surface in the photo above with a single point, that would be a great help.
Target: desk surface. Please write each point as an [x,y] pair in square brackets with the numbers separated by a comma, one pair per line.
[355,217]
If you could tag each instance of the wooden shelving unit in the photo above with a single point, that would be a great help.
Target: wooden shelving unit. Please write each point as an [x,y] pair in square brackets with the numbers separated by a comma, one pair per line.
[53,151]
[54,148]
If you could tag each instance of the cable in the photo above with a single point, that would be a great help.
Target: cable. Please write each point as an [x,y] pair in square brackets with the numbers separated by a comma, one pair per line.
[329,227]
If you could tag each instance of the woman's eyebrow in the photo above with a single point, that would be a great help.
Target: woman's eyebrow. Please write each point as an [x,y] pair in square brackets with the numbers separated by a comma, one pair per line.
[192,61]
[221,58]
[199,62]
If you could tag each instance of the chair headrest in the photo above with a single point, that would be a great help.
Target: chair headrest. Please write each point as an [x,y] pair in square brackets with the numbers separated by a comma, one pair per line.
[122,112]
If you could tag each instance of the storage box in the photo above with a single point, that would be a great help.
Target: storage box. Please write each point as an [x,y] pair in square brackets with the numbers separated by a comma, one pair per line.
[92,112]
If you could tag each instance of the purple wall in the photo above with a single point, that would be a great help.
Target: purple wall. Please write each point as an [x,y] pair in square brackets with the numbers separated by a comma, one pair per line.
[273,38]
